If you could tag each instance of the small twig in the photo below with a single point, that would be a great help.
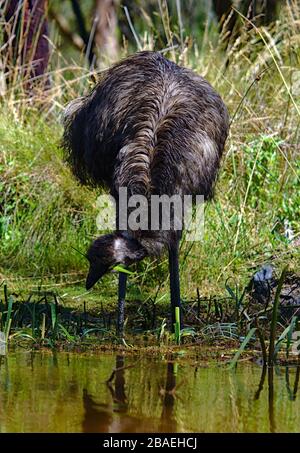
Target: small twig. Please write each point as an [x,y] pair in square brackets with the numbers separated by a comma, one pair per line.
[139,45]
[257,79]
[78,251]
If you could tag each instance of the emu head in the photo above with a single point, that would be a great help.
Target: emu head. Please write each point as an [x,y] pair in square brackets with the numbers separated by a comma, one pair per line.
[110,250]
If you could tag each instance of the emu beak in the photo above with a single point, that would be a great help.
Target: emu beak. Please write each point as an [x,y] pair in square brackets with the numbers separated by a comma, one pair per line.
[95,273]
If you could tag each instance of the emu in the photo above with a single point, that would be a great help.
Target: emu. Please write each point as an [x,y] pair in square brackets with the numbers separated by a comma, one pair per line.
[157,129]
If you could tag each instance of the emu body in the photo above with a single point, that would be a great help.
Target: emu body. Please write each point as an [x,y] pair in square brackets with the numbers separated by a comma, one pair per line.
[155,128]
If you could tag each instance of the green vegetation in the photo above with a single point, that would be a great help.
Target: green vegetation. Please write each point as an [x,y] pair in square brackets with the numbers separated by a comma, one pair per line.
[46,216]
[43,211]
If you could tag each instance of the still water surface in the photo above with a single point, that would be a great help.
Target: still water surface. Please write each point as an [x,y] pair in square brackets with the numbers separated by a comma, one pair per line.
[43,392]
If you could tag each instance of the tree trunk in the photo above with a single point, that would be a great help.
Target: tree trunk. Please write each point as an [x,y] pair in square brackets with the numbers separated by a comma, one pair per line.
[106,22]
[222,8]
[26,33]
[261,12]
[86,36]
[227,17]
[271,11]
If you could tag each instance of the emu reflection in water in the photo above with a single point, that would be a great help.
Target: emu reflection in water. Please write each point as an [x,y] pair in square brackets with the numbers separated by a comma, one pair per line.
[70,392]
[100,417]
[113,417]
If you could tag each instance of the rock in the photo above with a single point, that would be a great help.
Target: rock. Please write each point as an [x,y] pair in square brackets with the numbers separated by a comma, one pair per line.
[262,283]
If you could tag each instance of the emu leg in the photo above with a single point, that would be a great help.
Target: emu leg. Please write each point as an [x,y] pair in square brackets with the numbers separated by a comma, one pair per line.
[121,303]
[174,281]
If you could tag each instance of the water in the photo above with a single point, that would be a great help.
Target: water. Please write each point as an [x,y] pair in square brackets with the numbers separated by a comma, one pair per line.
[42,392]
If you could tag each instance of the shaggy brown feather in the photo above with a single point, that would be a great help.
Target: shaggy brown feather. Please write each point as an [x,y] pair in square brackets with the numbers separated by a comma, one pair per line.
[151,126]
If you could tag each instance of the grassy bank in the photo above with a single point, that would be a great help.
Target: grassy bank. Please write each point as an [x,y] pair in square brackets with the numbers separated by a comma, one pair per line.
[44,212]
